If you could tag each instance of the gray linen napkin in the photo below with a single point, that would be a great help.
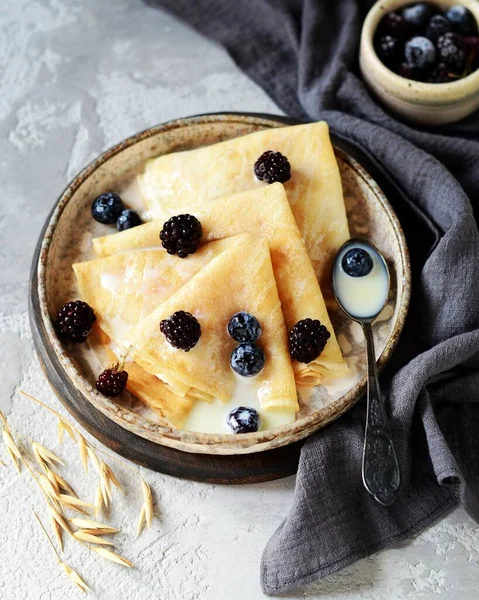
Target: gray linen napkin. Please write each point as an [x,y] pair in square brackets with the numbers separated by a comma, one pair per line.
[304,54]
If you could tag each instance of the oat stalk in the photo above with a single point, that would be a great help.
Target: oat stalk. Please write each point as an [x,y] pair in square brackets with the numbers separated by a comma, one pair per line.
[73,575]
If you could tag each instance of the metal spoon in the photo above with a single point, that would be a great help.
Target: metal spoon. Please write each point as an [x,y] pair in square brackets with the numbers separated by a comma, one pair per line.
[381,474]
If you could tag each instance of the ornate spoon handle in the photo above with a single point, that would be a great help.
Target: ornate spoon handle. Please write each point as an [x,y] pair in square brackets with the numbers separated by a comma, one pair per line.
[381,474]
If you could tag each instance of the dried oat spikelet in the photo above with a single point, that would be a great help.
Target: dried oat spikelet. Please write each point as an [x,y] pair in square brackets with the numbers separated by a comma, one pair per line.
[112,477]
[53,480]
[73,575]
[83,449]
[90,538]
[98,500]
[106,531]
[88,524]
[94,459]
[57,530]
[60,519]
[105,486]
[141,521]
[48,488]
[62,427]
[44,457]
[113,557]
[148,502]
[63,484]
[74,503]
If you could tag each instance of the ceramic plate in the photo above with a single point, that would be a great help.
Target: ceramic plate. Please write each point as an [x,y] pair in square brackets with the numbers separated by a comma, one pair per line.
[67,239]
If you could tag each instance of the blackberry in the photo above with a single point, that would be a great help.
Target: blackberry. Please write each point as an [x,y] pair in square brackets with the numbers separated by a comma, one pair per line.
[271,167]
[451,52]
[439,75]
[247,360]
[389,50]
[182,330]
[243,420]
[307,340]
[462,20]
[106,208]
[357,262]
[437,26]
[128,219]
[181,235]
[417,16]
[394,25]
[243,327]
[112,382]
[74,321]
[420,53]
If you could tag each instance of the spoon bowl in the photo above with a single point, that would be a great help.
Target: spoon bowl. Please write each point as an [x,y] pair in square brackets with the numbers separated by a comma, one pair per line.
[361,298]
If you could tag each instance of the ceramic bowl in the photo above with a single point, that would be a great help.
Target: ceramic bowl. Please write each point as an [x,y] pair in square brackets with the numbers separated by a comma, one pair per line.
[414,101]
[67,239]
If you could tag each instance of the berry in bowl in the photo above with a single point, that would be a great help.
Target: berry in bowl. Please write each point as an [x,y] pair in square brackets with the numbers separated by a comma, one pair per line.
[422,59]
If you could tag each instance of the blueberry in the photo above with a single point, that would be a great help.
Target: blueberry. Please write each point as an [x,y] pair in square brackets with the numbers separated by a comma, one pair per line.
[462,20]
[420,53]
[437,26]
[357,262]
[128,219]
[243,420]
[107,208]
[247,360]
[417,15]
[243,327]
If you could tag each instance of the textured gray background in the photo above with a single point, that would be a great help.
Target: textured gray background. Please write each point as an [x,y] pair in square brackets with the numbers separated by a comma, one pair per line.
[77,77]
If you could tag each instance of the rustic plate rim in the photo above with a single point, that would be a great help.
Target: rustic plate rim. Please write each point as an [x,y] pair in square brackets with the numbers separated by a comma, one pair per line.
[256,442]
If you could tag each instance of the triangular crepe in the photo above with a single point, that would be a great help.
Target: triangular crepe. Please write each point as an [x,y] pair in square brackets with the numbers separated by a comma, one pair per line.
[147,388]
[264,212]
[125,288]
[239,279]
[184,181]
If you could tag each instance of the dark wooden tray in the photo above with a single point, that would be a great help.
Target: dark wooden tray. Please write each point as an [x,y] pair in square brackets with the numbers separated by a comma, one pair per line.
[231,469]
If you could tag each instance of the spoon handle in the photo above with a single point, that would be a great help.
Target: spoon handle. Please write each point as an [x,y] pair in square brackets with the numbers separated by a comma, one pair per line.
[381,474]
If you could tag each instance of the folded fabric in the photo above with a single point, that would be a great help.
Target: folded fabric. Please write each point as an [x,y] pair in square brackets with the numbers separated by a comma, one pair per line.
[304,54]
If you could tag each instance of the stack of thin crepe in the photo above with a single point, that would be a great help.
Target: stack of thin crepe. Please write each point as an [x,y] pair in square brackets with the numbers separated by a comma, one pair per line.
[265,247]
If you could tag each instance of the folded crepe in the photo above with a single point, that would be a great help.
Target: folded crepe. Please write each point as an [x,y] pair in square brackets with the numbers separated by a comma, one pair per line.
[264,212]
[239,279]
[170,408]
[125,288]
[185,181]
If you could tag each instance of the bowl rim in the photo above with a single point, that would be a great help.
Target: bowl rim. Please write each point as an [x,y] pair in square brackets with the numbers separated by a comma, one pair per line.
[408,89]
[194,441]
